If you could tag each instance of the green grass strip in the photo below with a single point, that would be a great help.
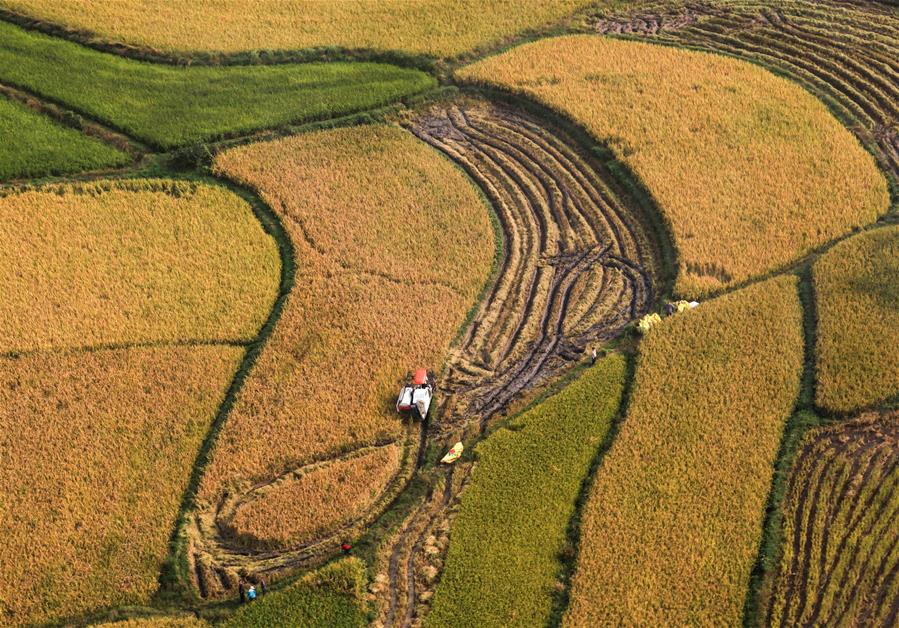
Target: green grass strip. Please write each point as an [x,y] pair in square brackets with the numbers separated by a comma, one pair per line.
[35,146]
[504,556]
[171,105]
[330,596]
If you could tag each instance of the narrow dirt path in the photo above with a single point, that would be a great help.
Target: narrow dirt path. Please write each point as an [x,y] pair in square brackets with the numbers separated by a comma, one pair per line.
[578,267]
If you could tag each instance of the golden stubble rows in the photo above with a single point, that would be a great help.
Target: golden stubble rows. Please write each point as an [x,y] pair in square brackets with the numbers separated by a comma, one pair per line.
[749,169]
[671,528]
[393,245]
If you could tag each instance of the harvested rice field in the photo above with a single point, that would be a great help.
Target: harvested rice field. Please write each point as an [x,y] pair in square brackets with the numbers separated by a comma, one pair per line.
[403,314]
[841,549]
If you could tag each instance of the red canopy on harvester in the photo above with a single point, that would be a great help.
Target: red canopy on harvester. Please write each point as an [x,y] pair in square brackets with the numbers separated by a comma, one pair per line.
[420,377]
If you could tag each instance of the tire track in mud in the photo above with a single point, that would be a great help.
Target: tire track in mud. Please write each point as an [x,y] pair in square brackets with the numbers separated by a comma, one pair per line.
[578,267]
[843,507]
[847,52]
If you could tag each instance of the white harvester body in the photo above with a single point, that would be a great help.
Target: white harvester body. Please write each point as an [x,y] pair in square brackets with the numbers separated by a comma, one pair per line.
[416,395]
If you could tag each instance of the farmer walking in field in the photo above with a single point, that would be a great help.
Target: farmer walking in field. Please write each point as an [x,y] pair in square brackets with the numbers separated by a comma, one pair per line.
[593,357]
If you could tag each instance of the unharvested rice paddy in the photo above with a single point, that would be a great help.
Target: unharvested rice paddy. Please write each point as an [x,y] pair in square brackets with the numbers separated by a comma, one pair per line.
[108,263]
[171,105]
[389,238]
[97,448]
[750,170]
[857,290]
[433,27]
[841,549]
[341,489]
[672,525]
[34,146]
[844,51]
[503,559]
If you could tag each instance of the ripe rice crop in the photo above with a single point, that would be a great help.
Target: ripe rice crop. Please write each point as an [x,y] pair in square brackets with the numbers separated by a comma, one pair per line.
[170,105]
[749,169]
[672,526]
[841,528]
[35,146]
[393,245]
[97,448]
[331,596]
[843,51]
[857,290]
[180,621]
[432,27]
[503,558]
[146,261]
[333,486]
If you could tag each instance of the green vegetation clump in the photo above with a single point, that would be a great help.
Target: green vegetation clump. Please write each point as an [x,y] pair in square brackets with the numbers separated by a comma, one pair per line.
[503,560]
[170,105]
[331,596]
[35,146]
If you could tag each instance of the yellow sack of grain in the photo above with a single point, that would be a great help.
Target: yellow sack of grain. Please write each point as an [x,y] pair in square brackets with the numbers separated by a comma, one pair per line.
[648,322]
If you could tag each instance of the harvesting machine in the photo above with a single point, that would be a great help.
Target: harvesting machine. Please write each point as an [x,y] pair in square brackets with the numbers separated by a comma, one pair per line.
[415,396]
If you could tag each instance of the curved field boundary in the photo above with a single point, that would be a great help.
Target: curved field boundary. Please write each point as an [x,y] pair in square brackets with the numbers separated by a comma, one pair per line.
[578,267]
[846,53]
[841,558]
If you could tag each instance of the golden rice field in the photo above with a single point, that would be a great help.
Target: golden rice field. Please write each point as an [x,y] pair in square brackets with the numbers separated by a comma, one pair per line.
[857,290]
[437,28]
[750,170]
[341,490]
[389,238]
[147,261]
[97,448]
[181,621]
[672,525]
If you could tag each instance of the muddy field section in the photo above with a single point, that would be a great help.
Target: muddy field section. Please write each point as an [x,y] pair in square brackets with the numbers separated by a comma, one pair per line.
[578,265]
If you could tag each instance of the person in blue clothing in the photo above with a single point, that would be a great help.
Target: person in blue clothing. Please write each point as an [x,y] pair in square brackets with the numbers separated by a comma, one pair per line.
[251,593]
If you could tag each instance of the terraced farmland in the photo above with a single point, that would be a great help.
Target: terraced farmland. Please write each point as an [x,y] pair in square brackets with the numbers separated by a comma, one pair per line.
[841,550]
[97,450]
[362,277]
[844,51]
[171,105]
[120,263]
[228,230]
[672,525]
